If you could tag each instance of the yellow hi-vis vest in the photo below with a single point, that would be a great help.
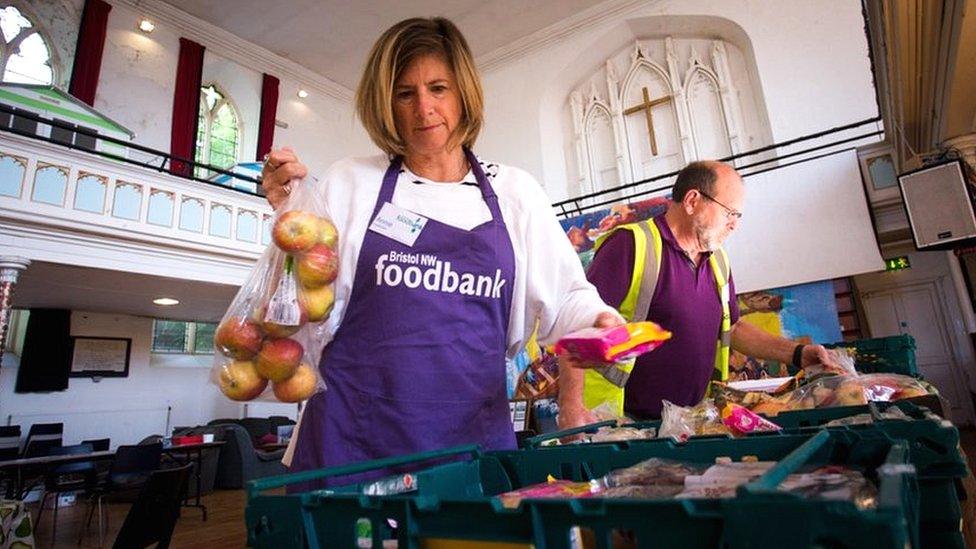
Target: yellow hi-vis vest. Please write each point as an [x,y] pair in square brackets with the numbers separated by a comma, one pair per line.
[606,384]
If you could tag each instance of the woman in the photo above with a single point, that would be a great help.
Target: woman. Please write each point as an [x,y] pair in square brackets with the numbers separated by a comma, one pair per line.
[424,315]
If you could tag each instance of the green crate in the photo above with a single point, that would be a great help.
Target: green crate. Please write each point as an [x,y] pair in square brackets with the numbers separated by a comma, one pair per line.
[943,540]
[933,443]
[889,355]
[454,501]
[791,422]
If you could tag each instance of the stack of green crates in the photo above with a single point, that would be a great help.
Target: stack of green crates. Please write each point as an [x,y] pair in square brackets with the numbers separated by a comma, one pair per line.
[934,444]
[883,355]
[455,501]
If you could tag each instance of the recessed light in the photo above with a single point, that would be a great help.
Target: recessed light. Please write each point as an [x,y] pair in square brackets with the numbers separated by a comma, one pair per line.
[302,94]
[166,301]
[146,26]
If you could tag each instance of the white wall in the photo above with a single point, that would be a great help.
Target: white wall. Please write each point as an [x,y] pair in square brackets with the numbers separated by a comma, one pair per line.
[811,59]
[138,78]
[321,129]
[124,409]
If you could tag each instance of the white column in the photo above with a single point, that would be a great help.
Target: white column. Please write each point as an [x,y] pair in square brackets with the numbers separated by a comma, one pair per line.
[10,267]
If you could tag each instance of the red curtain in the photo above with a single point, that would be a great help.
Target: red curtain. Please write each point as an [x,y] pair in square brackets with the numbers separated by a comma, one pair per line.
[269,109]
[186,105]
[88,51]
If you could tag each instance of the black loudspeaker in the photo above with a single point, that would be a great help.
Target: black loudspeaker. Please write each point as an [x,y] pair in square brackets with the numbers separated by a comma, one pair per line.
[939,204]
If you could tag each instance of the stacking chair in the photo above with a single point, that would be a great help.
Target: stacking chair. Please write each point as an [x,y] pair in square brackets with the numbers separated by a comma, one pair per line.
[70,477]
[98,444]
[9,442]
[129,472]
[9,449]
[278,421]
[153,515]
[41,438]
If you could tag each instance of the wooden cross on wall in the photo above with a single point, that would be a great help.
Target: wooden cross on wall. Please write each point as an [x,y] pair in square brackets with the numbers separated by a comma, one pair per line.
[646,106]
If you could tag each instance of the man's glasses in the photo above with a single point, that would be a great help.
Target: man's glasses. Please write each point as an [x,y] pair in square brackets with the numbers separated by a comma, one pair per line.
[729,212]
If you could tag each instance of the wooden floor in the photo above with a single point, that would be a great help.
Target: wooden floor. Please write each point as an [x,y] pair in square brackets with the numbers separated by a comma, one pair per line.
[224,527]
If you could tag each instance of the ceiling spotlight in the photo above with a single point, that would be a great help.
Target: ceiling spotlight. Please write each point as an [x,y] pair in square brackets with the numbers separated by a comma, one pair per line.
[146,26]
[166,301]
[302,94]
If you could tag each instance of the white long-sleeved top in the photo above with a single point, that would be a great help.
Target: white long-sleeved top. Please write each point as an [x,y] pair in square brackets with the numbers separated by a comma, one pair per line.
[549,281]
[549,284]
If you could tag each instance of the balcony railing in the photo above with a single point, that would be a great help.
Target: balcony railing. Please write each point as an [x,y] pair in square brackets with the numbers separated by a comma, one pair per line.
[112,186]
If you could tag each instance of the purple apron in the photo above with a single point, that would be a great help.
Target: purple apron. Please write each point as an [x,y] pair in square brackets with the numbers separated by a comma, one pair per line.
[418,362]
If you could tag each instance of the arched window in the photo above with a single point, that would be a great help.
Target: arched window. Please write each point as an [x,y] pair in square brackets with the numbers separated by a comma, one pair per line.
[218,130]
[25,56]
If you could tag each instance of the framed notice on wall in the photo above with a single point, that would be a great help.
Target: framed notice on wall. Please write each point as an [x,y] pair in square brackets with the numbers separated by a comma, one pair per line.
[100,356]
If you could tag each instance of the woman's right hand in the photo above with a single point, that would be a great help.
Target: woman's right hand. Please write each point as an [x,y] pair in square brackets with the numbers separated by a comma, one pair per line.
[280,168]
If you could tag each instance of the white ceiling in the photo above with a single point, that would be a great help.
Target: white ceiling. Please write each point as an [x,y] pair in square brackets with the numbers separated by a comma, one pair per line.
[102,291]
[333,37]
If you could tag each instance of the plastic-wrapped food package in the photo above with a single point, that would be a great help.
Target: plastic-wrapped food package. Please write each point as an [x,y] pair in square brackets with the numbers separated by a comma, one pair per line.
[270,339]
[611,434]
[741,421]
[682,422]
[653,471]
[833,482]
[827,392]
[614,344]
[829,482]
[644,491]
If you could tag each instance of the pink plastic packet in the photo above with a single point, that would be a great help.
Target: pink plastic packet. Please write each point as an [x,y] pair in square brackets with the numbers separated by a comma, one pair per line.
[742,420]
[552,488]
[615,344]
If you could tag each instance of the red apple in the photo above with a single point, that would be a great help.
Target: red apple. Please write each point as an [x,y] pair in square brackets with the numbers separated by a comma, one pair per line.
[278,331]
[318,266]
[328,234]
[316,303]
[239,380]
[278,358]
[298,387]
[296,231]
[238,338]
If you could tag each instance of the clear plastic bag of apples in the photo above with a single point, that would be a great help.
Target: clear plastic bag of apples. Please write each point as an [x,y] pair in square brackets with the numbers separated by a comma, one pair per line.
[269,342]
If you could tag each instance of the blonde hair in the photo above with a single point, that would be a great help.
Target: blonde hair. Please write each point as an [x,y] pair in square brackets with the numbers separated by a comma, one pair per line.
[390,56]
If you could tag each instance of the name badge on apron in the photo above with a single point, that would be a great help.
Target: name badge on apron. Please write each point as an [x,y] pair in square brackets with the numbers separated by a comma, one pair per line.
[401,225]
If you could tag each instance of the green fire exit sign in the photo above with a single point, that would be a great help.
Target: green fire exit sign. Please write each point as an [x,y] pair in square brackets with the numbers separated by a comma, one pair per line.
[897,263]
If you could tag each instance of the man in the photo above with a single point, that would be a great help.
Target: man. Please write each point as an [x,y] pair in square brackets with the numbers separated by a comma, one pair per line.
[683,282]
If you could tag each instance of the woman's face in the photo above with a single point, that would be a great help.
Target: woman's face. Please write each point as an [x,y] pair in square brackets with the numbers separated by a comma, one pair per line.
[426,105]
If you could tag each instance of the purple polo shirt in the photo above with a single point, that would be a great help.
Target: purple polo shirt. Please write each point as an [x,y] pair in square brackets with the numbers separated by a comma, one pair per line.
[685,302]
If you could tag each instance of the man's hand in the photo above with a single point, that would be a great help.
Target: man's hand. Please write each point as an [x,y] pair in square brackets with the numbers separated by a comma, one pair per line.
[572,411]
[818,354]
[572,416]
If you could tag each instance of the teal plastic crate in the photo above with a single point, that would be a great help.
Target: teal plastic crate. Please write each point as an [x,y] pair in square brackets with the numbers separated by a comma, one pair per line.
[933,444]
[455,501]
[797,421]
[891,355]
[943,540]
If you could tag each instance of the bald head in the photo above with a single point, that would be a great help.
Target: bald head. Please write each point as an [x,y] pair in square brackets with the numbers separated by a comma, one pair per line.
[705,176]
